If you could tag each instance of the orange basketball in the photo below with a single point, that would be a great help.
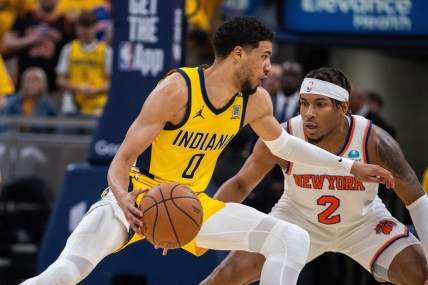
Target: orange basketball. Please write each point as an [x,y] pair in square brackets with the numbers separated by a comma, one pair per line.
[172,215]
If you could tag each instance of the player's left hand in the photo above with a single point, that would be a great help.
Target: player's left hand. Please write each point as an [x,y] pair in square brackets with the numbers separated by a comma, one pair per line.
[373,173]
[133,215]
[164,252]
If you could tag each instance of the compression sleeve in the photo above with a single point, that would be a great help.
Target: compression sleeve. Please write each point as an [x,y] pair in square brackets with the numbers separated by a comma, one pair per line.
[418,212]
[299,151]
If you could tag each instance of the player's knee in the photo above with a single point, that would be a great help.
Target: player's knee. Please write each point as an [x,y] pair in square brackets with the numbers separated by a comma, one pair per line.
[298,243]
[410,276]
[421,274]
[413,275]
[409,267]
[282,240]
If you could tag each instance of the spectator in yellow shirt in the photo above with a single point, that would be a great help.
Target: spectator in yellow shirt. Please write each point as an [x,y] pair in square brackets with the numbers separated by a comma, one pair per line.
[84,67]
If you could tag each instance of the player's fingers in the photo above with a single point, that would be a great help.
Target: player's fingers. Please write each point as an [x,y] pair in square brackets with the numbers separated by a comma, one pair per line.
[139,191]
[164,251]
[137,230]
[134,220]
[143,190]
[378,174]
[384,181]
[386,178]
[136,211]
[387,183]
[381,180]
[135,223]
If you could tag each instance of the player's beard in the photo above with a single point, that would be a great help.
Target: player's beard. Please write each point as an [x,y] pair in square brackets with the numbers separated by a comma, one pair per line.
[247,89]
[315,141]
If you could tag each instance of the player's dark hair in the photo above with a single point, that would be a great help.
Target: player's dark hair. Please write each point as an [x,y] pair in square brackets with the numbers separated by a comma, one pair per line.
[241,31]
[331,75]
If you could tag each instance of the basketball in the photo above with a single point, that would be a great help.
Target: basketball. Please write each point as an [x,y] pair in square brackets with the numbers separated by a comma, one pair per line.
[172,215]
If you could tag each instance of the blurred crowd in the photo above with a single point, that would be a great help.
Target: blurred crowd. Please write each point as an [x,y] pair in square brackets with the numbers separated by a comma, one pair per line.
[65,41]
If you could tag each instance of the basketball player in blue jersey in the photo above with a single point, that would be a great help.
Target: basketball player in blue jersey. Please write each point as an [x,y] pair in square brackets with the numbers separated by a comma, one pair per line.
[184,124]
[340,213]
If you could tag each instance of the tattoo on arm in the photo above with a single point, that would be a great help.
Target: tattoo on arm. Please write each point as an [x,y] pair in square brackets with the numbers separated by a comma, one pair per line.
[391,156]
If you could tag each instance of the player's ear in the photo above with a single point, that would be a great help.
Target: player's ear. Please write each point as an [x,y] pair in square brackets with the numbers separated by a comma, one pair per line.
[238,52]
[345,107]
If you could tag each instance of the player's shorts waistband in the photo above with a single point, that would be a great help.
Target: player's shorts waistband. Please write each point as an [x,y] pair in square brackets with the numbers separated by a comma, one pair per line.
[144,172]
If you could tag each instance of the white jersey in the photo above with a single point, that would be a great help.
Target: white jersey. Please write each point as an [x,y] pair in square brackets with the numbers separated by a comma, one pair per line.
[332,197]
[340,213]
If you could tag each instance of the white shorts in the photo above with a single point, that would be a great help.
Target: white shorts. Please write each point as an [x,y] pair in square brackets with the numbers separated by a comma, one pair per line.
[107,198]
[373,241]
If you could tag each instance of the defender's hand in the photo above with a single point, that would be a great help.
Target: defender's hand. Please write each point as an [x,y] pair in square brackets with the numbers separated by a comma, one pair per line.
[132,214]
[373,173]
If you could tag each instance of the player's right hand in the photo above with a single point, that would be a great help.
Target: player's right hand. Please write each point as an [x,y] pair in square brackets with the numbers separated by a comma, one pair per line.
[373,173]
[132,213]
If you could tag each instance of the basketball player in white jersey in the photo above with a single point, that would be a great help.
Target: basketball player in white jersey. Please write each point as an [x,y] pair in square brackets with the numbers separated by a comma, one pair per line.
[340,213]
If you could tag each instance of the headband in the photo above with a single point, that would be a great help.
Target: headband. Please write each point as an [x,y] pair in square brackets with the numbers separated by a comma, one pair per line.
[316,86]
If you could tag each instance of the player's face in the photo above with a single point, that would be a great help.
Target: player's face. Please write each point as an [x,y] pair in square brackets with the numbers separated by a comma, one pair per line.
[320,116]
[255,67]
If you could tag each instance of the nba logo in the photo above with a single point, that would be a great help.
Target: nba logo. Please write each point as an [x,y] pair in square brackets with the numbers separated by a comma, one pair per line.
[126,54]
[309,88]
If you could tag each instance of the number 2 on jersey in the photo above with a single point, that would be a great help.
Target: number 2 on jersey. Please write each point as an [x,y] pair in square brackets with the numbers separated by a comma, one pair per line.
[325,217]
[194,163]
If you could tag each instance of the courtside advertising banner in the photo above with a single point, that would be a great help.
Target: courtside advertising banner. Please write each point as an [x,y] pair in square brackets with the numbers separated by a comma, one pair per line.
[148,42]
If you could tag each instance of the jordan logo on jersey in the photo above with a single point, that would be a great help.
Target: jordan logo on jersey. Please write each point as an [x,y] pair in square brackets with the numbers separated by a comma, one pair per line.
[199,113]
